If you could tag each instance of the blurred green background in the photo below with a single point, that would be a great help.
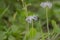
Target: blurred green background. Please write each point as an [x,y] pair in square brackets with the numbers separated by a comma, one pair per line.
[13,25]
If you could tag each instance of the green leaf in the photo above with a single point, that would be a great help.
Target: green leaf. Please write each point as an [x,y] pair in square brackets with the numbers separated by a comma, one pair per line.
[31,34]
[11,38]
[2,35]
[55,27]
[14,28]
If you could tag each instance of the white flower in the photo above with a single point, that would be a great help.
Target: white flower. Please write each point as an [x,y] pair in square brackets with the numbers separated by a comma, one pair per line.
[46,4]
[30,18]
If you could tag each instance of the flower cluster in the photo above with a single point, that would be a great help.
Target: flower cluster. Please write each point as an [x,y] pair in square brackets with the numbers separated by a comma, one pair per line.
[30,18]
[46,4]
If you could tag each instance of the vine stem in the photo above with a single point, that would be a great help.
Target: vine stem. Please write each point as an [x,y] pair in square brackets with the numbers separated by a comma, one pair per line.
[47,20]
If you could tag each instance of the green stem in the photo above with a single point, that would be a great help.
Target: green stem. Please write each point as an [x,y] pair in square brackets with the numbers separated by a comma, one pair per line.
[32,24]
[41,30]
[40,27]
[25,9]
[47,22]
[23,3]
